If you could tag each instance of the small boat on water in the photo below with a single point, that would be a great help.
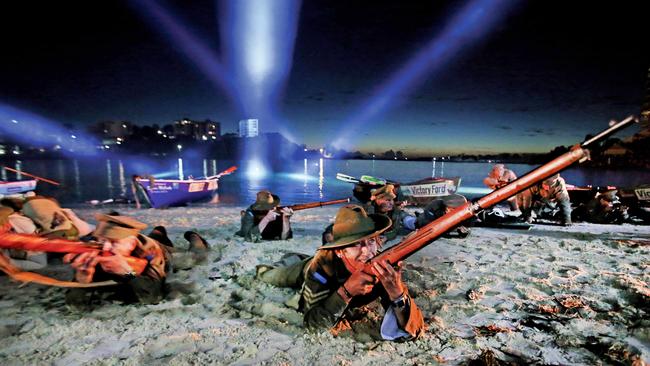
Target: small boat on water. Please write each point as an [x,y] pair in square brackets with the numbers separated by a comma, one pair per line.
[17,187]
[161,193]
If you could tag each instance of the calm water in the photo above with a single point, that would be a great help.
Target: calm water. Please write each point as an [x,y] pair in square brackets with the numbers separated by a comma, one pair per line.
[300,181]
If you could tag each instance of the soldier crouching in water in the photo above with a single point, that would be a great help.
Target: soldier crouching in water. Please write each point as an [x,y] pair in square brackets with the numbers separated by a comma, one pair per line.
[334,287]
[261,220]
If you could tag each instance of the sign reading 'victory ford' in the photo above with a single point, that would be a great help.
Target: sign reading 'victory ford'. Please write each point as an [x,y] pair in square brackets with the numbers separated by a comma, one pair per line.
[433,189]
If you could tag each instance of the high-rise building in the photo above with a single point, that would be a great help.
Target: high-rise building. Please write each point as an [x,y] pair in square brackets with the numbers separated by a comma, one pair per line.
[248,128]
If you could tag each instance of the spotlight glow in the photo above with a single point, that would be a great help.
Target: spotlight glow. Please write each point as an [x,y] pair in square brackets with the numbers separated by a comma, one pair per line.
[32,129]
[255,170]
[471,22]
[258,37]
[185,42]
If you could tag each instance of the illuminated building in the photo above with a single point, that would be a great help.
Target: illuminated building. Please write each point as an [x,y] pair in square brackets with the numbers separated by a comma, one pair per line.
[248,128]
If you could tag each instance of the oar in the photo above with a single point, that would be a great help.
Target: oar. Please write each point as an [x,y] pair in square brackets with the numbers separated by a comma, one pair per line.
[225,172]
[346,178]
[31,175]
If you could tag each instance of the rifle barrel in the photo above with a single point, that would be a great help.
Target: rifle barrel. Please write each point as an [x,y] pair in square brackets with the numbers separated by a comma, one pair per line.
[305,206]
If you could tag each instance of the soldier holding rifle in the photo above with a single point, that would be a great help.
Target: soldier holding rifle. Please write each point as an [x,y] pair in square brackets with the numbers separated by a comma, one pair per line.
[265,219]
[334,287]
[261,220]
[120,236]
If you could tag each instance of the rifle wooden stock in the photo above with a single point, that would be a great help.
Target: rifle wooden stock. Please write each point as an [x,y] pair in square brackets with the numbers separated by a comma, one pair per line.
[40,244]
[432,231]
[305,206]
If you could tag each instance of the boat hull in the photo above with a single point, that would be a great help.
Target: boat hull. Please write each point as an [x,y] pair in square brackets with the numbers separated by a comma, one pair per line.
[17,187]
[163,193]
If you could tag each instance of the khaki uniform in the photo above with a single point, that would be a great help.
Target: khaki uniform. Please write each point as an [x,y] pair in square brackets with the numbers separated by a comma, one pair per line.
[536,198]
[319,278]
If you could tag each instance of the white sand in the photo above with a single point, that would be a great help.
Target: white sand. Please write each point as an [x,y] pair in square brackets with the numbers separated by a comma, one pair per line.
[552,295]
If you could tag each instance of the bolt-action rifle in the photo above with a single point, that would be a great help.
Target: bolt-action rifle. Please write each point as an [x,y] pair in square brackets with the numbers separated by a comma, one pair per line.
[432,231]
[35,243]
[305,206]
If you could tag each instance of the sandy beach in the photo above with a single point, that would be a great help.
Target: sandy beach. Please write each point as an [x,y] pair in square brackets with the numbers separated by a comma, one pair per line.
[551,295]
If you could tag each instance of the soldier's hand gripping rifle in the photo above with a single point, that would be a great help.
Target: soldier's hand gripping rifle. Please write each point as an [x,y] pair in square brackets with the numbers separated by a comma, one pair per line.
[27,242]
[432,231]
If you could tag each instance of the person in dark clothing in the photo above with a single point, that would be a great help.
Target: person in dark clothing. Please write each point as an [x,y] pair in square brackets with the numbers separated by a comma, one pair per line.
[262,221]
[605,208]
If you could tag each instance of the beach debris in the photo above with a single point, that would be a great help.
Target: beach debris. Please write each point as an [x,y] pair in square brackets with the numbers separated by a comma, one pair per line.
[633,243]
[475,294]
[548,309]
[490,330]
[570,302]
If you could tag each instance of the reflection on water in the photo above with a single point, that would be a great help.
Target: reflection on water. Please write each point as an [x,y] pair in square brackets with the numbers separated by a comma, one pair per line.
[321,178]
[300,181]
[19,167]
[109,178]
[120,171]
[77,179]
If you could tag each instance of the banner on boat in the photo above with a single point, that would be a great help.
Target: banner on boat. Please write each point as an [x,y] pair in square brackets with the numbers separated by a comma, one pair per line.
[642,194]
[434,189]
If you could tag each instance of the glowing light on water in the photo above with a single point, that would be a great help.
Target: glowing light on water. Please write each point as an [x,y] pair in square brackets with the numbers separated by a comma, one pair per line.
[180,169]
[214,167]
[473,191]
[3,174]
[472,21]
[77,178]
[299,177]
[120,172]
[19,168]
[255,170]
[205,168]
[109,178]
[304,185]
[321,178]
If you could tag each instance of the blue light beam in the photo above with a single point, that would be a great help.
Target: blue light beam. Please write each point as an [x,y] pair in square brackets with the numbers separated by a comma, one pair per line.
[33,130]
[469,24]
[258,38]
[205,59]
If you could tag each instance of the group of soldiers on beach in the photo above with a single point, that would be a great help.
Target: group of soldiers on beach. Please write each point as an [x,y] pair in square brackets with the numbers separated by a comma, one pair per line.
[331,283]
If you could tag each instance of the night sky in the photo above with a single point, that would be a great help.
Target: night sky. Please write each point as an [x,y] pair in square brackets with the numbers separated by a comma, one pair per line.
[546,74]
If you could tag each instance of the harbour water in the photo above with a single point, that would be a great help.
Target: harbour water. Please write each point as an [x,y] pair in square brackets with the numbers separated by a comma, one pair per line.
[298,181]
